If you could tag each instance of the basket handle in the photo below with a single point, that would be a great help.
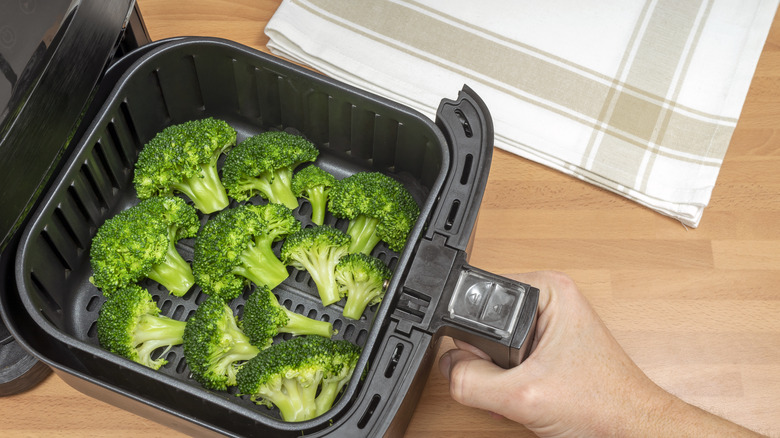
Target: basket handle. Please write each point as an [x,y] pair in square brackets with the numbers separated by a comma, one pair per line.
[468,129]
[449,297]
[491,312]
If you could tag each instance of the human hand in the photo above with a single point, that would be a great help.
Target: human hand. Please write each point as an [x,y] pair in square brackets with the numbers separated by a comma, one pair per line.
[577,381]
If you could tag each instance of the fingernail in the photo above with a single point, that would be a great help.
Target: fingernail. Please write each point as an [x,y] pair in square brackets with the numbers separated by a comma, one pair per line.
[444,365]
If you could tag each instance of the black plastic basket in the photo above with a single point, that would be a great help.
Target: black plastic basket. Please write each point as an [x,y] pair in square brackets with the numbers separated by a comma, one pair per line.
[443,164]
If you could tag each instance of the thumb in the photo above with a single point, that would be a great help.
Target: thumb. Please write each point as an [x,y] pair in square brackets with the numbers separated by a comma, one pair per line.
[474,381]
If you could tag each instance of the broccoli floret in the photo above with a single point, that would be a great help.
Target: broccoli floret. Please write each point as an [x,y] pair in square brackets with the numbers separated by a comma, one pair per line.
[214,345]
[265,318]
[314,184]
[140,242]
[361,279]
[235,246]
[343,358]
[263,165]
[301,377]
[279,222]
[183,158]
[378,208]
[317,250]
[129,324]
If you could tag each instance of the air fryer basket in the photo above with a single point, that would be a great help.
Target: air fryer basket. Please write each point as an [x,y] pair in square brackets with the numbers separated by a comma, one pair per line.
[193,78]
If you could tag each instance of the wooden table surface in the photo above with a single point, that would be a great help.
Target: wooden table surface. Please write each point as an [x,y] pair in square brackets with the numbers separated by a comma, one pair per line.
[697,309]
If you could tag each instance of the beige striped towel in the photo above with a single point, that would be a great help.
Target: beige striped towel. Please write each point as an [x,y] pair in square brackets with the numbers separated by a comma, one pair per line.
[640,97]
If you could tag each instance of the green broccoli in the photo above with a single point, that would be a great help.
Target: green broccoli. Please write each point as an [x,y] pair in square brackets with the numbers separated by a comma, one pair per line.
[301,377]
[361,279]
[263,165]
[378,208]
[313,184]
[183,158]
[343,358]
[235,246]
[264,318]
[214,345]
[279,222]
[140,242]
[317,250]
[129,324]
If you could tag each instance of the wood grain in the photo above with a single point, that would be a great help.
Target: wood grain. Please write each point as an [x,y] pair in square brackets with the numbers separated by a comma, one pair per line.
[697,309]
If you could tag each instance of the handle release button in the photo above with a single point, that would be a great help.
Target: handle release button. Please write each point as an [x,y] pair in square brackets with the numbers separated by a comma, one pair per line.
[487,302]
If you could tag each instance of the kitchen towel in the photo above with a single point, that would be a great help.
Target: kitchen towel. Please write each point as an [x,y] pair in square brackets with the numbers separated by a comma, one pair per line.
[639,97]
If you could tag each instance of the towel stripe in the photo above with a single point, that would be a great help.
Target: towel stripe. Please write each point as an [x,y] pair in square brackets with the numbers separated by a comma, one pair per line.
[609,80]
[555,91]
[679,75]
[659,68]
[608,107]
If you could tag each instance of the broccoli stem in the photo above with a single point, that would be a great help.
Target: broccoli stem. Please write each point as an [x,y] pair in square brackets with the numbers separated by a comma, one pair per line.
[295,401]
[174,273]
[299,324]
[261,266]
[281,189]
[153,332]
[362,230]
[205,190]
[318,198]
[325,279]
[230,364]
[327,396]
[357,301]
[276,187]
[241,350]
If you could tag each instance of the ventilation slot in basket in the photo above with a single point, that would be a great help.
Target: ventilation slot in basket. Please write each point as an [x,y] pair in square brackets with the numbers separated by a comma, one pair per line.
[369,412]
[50,306]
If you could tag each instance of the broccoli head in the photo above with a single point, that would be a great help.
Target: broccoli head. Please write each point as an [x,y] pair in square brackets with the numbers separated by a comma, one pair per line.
[214,345]
[183,159]
[129,324]
[317,250]
[378,208]
[264,164]
[234,247]
[343,359]
[279,222]
[313,184]
[301,377]
[264,318]
[140,242]
[361,279]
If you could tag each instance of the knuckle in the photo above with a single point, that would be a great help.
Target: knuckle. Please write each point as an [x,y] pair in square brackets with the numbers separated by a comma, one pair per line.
[561,280]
